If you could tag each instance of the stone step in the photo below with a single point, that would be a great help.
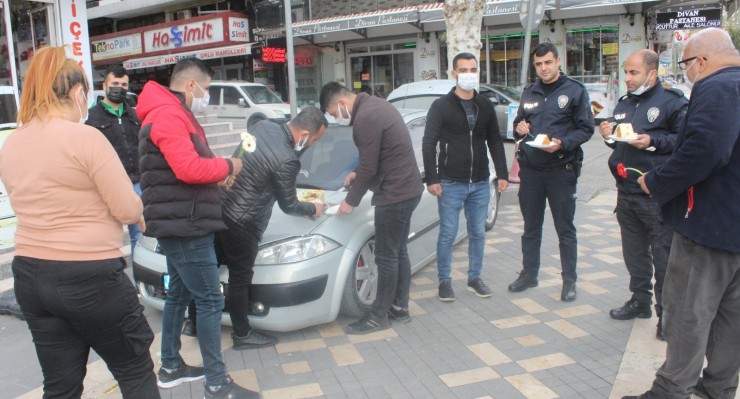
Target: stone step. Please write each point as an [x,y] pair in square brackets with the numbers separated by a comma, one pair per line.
[224,137]
[210,118]
[225,149]
[217,127]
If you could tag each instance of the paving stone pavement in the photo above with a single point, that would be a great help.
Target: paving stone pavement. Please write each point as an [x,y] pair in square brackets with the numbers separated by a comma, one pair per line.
[524,345]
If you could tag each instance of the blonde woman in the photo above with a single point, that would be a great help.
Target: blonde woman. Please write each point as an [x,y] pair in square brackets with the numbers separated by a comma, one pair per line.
[71,196]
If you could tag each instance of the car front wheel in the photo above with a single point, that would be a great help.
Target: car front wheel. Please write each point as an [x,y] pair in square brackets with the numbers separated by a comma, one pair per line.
[493,205]
[362,282]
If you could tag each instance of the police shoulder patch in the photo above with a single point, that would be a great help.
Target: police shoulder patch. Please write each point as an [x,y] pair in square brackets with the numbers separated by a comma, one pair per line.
[675,92]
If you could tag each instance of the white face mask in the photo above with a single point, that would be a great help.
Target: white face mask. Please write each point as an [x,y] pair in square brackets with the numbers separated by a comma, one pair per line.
[689,82]
[301,144]
[83,119]
[341,118]
[645,86]
[199,104]
[467,81]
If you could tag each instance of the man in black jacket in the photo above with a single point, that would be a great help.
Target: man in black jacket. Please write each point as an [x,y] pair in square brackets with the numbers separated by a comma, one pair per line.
[656,114]
[557,106]
[388,168]
[465,127]
[270,171]
[120,125]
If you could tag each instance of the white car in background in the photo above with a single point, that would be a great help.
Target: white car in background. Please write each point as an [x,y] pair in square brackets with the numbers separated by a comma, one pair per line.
[245,103]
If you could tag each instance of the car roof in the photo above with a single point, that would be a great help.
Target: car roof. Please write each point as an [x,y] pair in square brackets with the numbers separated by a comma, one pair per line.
[235,83]
[425,87]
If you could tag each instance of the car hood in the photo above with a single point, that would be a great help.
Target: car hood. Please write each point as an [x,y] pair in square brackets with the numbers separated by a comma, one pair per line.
[281,107]
[339,228]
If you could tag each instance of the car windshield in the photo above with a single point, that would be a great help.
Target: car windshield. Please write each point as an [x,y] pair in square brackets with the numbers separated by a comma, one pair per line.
[326,163]
[261,95]
[510,92]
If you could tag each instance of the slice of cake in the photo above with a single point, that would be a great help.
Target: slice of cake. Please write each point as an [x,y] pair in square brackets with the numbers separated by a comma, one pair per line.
[312,196]
[542,139]
[624,131]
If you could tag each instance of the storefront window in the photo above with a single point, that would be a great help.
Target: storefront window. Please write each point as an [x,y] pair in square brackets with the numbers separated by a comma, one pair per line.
[505,54]
[379,74]
[593,54]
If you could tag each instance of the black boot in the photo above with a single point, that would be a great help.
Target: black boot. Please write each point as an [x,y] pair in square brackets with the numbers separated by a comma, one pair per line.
[253,339]
[523,282]
[659,331]
[631,309]
[189,328]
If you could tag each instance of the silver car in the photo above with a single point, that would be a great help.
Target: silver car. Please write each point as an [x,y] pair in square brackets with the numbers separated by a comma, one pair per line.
[307,271]
[421,95]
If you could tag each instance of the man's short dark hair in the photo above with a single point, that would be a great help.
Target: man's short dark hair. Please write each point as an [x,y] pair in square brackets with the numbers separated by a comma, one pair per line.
[650,59]
[542,49]
[118,71]
[330,93]
[311,119]
[462,56]
[193,64]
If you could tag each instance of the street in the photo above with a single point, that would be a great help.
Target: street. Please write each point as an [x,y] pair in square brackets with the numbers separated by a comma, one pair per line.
[525,345]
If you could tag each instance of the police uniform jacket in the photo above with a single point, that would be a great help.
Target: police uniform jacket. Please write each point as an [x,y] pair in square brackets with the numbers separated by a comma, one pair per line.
[657,112]
[564,114]
[268,175]
[123,134]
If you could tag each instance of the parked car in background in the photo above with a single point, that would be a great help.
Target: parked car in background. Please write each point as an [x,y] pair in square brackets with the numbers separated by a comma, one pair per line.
[131,98]
[602,94]
[421,95]
[244,103]
[307,271]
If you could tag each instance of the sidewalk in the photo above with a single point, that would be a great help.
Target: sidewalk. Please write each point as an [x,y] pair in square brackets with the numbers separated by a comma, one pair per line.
[525,345]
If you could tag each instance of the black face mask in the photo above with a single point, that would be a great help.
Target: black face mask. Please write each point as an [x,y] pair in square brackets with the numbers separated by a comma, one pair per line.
[116,94]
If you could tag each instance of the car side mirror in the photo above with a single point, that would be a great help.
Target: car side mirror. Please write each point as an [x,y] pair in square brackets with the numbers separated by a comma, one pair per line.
[242,103]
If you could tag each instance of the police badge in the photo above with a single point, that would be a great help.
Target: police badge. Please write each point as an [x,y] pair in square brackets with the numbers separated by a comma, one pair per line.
[562,101]
[652,114]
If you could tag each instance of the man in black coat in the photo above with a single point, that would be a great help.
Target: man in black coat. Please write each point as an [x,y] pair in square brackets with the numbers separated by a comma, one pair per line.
[120,125]
[271,166]
[557,106]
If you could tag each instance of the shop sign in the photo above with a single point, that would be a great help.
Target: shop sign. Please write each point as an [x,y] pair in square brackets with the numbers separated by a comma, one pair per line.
[114,47]
[74,33]
[167,59]
[610,48]
[238,29]
[356,23]
[273,54]
[689,19]
[184,35]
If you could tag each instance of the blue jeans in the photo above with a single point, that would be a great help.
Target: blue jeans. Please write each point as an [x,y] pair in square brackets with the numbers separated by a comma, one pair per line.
[193,270]
[134,231]
[475,197]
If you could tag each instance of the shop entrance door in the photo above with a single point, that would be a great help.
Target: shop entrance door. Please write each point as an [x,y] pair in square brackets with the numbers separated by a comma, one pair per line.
[228,72]
[378,75]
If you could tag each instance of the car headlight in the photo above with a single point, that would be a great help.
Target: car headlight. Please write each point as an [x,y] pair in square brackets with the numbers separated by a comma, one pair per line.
[295,250]
[149,243]
[278,113]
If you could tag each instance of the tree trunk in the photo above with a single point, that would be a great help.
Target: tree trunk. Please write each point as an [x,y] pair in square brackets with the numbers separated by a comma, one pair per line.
[463,19]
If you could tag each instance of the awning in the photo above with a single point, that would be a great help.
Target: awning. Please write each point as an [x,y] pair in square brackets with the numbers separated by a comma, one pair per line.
[435,12]
[205,54]
[404,15]
[572,4]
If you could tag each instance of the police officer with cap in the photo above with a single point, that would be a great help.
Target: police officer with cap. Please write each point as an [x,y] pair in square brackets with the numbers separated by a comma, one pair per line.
[656,115]
[558,107]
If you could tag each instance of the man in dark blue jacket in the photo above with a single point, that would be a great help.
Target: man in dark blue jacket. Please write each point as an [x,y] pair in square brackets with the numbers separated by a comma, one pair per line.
[698,188]
[463,125]
[656,115]
[550,173]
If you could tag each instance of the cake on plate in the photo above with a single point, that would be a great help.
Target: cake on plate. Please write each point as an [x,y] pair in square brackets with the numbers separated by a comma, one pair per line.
[625,131]
[542,139]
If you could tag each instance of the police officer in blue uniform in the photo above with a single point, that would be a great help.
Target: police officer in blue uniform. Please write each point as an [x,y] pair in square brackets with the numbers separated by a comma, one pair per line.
[656,115]
[557,106]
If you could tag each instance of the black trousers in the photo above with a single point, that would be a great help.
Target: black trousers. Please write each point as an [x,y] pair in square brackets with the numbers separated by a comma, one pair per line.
[558,188]
[240,245]
[392,226]
[646,244]
[73,306]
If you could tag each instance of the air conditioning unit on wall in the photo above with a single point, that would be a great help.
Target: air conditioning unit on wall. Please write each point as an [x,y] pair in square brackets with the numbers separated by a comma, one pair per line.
[184,14]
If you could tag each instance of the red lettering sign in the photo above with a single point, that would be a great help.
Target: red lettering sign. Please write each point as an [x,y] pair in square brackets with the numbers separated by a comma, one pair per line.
[273,54]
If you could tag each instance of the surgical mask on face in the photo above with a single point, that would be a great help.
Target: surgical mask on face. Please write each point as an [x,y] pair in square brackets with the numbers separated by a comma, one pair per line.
[116,94]
[301,144]
[467,81]
[644,86]
[83,119]
[199,104]
[689,82]
[341,118]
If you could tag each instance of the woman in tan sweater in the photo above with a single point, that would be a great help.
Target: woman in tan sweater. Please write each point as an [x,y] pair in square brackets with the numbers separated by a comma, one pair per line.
[71,196]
